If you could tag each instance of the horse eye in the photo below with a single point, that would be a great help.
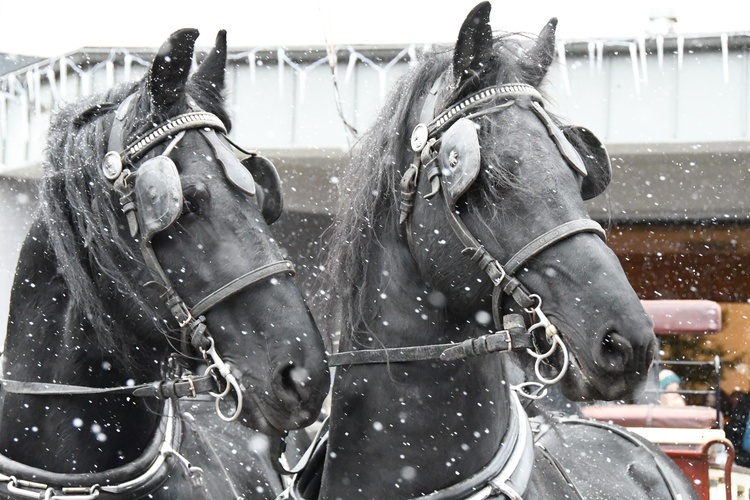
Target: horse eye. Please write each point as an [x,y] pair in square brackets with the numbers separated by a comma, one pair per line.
[189,206]
[195,198]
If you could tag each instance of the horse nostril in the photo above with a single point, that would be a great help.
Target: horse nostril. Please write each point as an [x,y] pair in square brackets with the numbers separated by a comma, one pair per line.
[617,352]
[295,383]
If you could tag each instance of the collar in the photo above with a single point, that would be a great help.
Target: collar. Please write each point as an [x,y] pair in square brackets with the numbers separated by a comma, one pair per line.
[134,480]
[507,474]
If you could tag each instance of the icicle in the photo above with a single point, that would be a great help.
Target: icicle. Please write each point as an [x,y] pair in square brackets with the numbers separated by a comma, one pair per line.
[3,126]
[31,94]
[37,92]
[351,66]
[302,77]
[383,88]
[110,73]
[634,63]
[127,64]
[660,51]
[280,69]
[725,56]
[52,79]
[25,124]
[63,77]
[252,65]
[563,65]
[592,57]
[13,84]
[85,83]
[680,51]
[599,55]
[642,51]
[412,56]
[3,120]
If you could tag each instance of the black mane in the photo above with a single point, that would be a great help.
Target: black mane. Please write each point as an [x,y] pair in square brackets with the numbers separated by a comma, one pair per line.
[87,232]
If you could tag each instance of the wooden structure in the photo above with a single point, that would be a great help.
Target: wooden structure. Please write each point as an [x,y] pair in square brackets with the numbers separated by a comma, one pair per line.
[692,436]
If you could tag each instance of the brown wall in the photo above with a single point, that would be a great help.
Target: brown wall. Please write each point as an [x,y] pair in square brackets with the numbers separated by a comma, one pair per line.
[695,261]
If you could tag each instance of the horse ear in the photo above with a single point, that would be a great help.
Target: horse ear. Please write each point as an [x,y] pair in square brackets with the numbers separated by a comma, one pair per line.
[211,73]
[169,71]
[474,41]
[540,56]
[595,158]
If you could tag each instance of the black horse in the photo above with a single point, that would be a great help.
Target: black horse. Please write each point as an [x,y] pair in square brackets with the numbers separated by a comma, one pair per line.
[150,261]
[463,237]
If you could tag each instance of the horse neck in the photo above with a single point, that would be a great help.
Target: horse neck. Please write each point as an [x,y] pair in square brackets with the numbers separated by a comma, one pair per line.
[407,429]
[47,341]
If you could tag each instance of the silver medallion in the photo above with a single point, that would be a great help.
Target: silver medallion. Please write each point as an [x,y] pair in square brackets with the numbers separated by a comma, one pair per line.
[112,165]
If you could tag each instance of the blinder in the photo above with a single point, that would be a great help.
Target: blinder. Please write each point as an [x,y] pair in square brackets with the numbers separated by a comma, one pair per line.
[258,171]
[158,190]
[270,198]
[459,158]
[158,195]
[596,158]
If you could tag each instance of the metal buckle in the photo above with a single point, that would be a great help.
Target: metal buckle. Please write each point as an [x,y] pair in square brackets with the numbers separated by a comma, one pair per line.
[218,364]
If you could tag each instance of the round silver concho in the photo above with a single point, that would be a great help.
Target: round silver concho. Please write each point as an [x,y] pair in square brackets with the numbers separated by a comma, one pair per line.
[419,137]
[112,165]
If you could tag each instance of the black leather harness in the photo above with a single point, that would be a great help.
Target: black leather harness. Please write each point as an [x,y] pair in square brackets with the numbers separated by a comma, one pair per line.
[143,475]
[450,173]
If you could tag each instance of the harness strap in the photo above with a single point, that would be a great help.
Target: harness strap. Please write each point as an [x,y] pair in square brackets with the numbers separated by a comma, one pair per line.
[551,237]
[186,121]
[238,284]
[161,389]
[560,470]
[510,285]
[504,91]
[511,339]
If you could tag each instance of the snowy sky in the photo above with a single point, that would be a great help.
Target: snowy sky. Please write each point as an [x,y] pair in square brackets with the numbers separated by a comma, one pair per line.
[53,28]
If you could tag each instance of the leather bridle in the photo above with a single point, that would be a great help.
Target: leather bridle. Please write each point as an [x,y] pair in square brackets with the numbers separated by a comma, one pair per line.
[141,476]
[218,379]
[507,476]
[510,334]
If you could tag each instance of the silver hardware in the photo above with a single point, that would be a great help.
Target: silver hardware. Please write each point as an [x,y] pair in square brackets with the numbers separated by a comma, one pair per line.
[112,165]
[419,137]
[218,365]
[195,474]
[453,158]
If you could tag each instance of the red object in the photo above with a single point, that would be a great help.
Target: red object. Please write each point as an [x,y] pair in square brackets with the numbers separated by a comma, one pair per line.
[694,463]
[684,417]
[676,317]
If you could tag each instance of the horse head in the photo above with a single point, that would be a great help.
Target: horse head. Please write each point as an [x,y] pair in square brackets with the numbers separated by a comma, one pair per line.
[191,266]
[494,200]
